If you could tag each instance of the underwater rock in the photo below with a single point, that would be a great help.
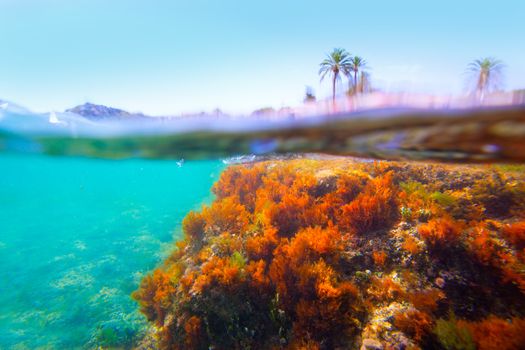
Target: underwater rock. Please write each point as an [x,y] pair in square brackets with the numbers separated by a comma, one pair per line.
[371,344]
[319,254]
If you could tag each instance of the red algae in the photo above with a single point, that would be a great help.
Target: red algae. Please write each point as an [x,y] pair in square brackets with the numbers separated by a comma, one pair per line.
[496,333]
[333,254]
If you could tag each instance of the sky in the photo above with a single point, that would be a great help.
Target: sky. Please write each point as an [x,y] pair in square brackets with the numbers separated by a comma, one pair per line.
[165,57]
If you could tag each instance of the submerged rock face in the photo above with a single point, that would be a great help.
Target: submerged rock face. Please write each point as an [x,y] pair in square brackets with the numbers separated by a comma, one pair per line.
[328,254]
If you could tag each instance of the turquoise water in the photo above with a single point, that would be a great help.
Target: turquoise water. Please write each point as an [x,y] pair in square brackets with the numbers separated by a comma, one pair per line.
[77,235]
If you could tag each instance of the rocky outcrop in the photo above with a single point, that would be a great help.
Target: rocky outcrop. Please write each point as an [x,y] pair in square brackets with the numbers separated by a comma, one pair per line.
[100,112]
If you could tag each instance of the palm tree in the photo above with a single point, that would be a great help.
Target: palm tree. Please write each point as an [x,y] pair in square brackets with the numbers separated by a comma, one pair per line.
[356,64]
[364,82]
[309,95]
[487,73]
[336,63]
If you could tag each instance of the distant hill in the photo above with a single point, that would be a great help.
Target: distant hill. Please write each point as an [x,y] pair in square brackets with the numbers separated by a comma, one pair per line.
[99,112]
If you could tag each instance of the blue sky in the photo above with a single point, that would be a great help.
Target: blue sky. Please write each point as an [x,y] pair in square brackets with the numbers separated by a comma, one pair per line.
[169,56]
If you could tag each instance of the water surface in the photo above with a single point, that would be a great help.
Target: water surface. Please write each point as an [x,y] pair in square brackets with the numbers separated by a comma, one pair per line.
[78,234]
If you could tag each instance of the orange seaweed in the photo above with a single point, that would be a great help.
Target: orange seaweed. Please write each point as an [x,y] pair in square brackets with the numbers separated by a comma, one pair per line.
[379,258]
[515,233]
[193,225]
[155,295]
[414,323]
[374,208]
[410,245]
[226,215]
[494,333]
[442,232]
[426,300]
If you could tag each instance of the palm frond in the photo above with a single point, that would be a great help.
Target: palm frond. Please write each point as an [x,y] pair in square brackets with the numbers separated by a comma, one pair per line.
[323,74]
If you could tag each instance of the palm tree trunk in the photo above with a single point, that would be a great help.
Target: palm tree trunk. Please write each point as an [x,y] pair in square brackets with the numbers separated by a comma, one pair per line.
[482,85]
[355,82]
[333,88]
